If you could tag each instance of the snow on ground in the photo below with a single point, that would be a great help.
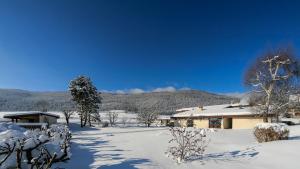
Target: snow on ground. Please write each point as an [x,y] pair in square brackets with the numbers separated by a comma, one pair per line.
[139,147]
[144,148]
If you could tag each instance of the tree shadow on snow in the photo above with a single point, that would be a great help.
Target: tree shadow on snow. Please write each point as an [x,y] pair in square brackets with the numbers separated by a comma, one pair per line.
[81,158]
[86,149]
[89,149]
[228,156]
[294,138]
[127,164]
[85,153]
[76,127]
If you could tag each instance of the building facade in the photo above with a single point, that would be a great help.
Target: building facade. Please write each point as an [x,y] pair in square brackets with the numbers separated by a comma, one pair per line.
[219,116]
[34,119]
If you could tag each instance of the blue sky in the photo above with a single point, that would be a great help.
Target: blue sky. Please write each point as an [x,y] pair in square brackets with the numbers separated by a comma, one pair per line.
[123,45]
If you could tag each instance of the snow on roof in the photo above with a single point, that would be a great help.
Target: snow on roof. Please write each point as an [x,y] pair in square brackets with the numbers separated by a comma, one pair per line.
[25,113]
[164,117]
[187,109]
[217,110]
[294,98]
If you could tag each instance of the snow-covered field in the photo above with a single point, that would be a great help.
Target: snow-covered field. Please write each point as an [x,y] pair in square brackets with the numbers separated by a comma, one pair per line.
[132,148]
[140,147]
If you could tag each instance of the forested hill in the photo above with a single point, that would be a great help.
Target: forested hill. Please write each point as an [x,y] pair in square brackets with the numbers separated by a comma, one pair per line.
[165,102]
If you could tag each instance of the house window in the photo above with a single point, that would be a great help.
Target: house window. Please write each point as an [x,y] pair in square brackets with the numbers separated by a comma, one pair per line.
[190,123]
[215,122]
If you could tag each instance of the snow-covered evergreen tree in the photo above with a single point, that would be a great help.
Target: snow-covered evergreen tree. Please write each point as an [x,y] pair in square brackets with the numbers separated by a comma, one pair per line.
[86,97]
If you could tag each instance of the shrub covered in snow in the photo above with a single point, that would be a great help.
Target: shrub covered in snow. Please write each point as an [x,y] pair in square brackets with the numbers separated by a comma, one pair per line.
[105,124]
[265,132]
[36,149]
[187,143]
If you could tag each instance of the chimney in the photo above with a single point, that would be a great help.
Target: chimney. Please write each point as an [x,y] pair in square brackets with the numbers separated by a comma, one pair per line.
[201,107]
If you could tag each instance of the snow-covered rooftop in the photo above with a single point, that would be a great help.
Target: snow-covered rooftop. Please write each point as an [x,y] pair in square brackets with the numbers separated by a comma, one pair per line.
[164,117]
[26,113]
[187,109]
[217,110]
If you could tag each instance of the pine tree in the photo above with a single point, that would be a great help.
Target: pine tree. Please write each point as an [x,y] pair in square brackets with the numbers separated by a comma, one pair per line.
[86,97]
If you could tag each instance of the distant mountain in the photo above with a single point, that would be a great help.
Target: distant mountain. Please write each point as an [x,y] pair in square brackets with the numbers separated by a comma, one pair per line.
[164,102]
[235,94]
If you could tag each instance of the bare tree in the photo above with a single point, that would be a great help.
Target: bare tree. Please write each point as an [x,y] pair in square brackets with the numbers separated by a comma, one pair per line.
[68,110]
[147,115]
[112,117]
[97,118]
[272,78]
[124,120]
[68,114]
[188,143]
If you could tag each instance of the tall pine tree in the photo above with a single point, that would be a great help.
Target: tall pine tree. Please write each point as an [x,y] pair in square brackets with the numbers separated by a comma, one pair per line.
[86,97]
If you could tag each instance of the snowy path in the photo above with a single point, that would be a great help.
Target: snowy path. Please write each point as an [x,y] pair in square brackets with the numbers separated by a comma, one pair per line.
[143,148]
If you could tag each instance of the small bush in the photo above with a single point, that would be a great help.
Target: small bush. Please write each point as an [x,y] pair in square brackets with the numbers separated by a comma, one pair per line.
[187,143]
[265,132]
[105,124]
[171,124]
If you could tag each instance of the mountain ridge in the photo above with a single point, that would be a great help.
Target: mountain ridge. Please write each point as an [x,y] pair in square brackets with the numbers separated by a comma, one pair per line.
[164,102]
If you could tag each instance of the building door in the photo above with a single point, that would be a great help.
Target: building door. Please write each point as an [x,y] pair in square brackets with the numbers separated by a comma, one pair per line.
[215,122]
[227,123]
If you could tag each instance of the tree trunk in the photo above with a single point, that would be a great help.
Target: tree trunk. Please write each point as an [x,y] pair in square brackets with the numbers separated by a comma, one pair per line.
[90,120]
[81,117]
[18,159]
[85,119]
[267,105]
[67,120]
[277,117]
[269,92]
[81,121]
